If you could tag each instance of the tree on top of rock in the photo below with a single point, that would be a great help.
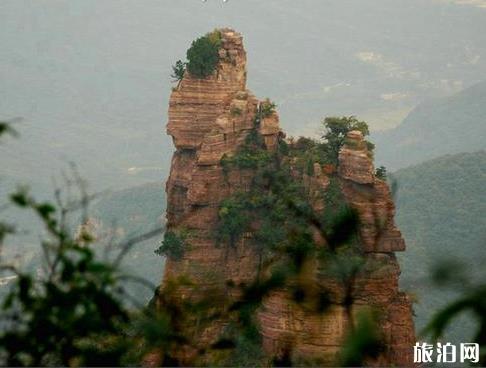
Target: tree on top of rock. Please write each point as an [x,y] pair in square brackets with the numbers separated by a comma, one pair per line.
[203,55]
[335,130]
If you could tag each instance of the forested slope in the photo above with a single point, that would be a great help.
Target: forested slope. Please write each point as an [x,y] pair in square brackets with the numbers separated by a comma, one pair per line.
[440,210]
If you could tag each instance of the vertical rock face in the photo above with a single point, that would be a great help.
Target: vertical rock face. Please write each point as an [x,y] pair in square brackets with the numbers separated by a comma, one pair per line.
[210,118]
[318,337]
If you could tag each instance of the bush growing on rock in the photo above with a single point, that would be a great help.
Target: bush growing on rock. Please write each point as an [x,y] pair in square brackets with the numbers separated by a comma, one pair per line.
[173,245]
[178,71]
[335,130]
[267,108]
[381,172]
[203,55]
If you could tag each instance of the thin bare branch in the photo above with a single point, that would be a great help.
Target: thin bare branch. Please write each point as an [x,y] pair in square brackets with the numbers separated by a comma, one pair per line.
[126,246]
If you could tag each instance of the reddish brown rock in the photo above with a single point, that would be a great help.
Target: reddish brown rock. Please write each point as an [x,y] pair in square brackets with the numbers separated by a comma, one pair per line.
[354,161]
[208,119]
[370,196]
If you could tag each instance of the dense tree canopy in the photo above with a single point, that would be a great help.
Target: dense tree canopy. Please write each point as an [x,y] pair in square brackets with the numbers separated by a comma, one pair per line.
[335,130]
[203,55]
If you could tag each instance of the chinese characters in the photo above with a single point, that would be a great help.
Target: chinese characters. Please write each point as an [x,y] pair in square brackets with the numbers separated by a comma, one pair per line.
[445,353]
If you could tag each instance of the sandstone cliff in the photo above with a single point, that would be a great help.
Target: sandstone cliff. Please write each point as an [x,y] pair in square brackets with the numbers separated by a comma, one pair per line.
[208,120]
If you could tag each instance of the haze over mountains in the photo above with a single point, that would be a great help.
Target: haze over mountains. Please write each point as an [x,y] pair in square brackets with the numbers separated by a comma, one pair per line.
[91,82]
[440,211]
[446,125]
[91,79]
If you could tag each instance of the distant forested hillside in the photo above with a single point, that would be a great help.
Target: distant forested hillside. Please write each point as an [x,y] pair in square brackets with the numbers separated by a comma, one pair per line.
[441,206]
[440,210]
[130,213]
[115,217]
[136,210]
[443,126]
[91,79]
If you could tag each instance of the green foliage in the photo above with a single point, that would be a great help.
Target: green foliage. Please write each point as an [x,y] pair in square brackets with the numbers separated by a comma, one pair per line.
[334,203]
[5,229]
[253,141]
[278,212]
[247,159]
[380,172]
[304,144]
[371,147]
[233,218]
[267,108]
[203,55]
[364,342]
[251,155]
[173,246]
[335,130]
[79,301]
[472,299]
[6,128]
[309,167]
[306,152]
[440,211]
[83,294]
[236,111]
[248,353]
[178,71]
[124,215]
[283,147]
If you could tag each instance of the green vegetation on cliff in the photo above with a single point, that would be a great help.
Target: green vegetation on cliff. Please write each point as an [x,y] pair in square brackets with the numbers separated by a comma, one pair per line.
[440,211]
[173,246]
[275,194]
[286,231]
[335,130]
[202,56]
[250,155]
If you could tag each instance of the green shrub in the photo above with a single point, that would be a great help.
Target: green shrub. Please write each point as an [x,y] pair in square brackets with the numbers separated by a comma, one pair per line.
[283,147]
[304,144]
[335,131]
[306,152]
[381,172]
[236,111]
[334,204]
[309,167]
[173,245]
[251,155]
[178,71]
[203,55]
[233,218]
[58,317]
[250,160]
[267,108]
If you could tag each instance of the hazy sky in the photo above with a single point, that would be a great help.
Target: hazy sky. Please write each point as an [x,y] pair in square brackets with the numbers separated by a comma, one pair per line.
[91,79]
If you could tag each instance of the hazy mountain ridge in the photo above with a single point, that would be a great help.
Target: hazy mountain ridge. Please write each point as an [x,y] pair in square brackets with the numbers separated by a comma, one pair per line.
[440,211]
[114,218]
[444,126]
[440,206]
[137,210]
[127,214]
[91,78]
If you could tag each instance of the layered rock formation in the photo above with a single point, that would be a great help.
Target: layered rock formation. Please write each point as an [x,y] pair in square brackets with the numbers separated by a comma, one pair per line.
[210,118]
[318,337]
